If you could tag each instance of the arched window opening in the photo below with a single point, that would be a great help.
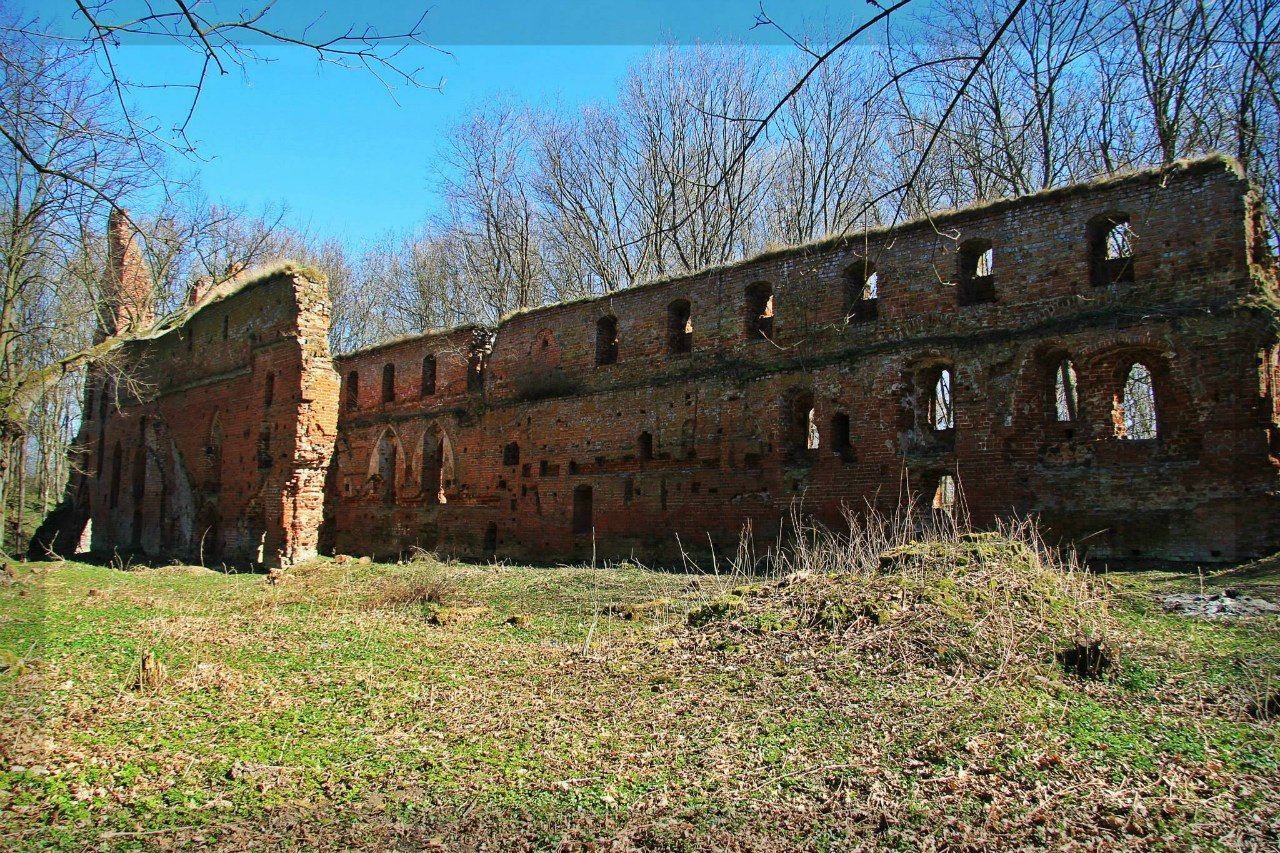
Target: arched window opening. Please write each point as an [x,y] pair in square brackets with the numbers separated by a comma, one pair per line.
[385,462]
[435,465]
[428,376]
[269,390]
[1135,417]
[644,445]
[862,292]
[511,454]
[582,510]
[388,383]
[976,280]
[679,327]
[606,340]
[1111,240]
[759,310]
[841,437]
[942,415]
[1065,396]
[353,390]
[944,497]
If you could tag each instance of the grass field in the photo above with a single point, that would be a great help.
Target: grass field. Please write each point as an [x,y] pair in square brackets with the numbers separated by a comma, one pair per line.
[463,706]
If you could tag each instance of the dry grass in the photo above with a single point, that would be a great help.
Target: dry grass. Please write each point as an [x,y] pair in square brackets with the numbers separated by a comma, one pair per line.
[889,686]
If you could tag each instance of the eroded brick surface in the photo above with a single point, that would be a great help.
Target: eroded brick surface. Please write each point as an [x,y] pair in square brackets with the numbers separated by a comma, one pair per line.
[607,426]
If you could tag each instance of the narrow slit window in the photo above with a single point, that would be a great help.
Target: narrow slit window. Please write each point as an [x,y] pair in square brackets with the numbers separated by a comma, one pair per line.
[1137,405]
[428,376]
[942,414]
[582,510]
[1065,396]
[841,440]
[353,390]
[388,383]
[269,390]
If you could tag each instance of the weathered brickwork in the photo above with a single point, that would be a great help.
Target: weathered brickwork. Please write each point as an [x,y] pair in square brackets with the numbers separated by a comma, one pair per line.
[211,442]
[993,364]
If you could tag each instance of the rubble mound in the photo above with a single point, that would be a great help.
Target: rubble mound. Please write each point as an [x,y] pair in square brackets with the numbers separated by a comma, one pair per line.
[980,601]
[1224,604]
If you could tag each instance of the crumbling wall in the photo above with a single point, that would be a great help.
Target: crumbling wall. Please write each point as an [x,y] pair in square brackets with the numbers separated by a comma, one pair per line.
[1103,357]
[211,442]
[661,419]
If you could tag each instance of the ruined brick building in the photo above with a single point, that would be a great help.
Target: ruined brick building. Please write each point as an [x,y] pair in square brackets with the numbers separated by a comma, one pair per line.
[1102,356]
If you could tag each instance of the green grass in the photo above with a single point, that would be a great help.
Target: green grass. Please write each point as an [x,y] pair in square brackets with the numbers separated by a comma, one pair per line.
[328,712]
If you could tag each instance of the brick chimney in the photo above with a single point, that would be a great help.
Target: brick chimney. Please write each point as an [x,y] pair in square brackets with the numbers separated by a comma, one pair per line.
[126,286]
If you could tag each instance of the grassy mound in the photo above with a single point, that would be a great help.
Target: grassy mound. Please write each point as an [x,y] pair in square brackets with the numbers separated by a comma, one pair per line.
[973,601]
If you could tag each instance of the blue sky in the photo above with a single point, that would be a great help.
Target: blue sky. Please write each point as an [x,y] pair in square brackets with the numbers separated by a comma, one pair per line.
[353,161]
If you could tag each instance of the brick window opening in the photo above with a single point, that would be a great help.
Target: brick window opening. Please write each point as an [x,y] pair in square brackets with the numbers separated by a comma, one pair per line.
[841,440]
[353,390]
[1135,406]
[679,327]
[475,372]
[644,445]
[801,428]
[511,454]
[759,310]
[1065,396]
[606,341]
[435,450]
[862,292]
[269,390]
[975,273]
[1110,239]
[491,538]
[944,497]
[428,376]
[226,326]
[388,383]
[387,456]
[942,414]
[582,500]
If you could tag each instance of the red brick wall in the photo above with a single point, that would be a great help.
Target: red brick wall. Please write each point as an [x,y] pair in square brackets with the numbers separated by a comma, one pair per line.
[185,455]
[523,423]
[1204,490]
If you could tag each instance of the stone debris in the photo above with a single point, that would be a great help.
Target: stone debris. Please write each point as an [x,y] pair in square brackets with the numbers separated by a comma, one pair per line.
[1224,604]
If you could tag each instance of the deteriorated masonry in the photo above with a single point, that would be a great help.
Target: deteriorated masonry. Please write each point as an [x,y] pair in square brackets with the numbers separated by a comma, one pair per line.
[1101,356]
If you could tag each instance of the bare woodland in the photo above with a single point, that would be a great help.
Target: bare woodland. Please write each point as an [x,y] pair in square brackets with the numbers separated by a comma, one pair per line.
[970,101]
